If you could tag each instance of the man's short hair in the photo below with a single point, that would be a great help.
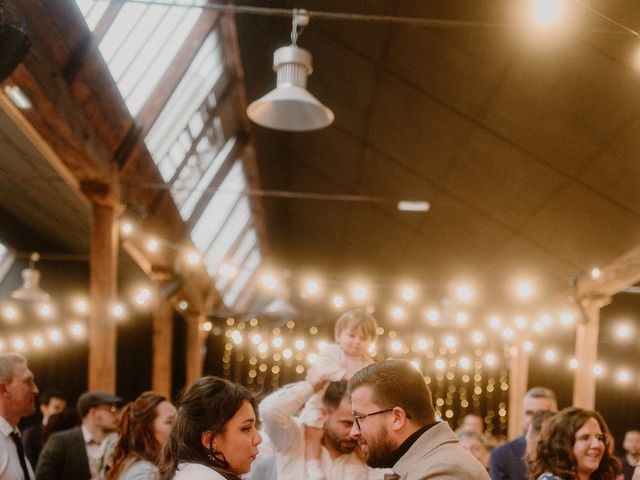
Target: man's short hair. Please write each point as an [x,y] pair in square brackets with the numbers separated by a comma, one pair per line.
[397,383]
[541,392]
[334,395]
[50,393]
[8,362]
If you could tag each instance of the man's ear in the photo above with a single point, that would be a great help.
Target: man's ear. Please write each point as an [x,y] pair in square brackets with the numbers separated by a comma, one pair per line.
[400,418]
[324,414]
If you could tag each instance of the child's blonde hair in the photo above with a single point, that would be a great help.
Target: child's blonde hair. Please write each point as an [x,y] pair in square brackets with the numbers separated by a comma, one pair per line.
[357,319]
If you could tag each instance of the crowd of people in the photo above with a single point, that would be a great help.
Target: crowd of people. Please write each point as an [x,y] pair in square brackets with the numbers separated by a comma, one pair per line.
[351,418]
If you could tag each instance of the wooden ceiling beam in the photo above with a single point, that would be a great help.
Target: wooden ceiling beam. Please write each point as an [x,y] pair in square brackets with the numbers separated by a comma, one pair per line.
[614,277]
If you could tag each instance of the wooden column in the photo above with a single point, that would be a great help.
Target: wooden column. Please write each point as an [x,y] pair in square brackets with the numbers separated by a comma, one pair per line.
[162,345]
[102,326]
[195,348]
[518,381]
[584,380]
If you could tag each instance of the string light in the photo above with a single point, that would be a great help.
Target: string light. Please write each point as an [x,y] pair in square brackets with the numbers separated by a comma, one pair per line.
[152,245]
[337,301]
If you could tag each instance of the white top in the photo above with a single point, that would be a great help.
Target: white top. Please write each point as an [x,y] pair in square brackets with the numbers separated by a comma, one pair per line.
[287,435]
[333,365]
[10,468]
[196,471]
[140,470]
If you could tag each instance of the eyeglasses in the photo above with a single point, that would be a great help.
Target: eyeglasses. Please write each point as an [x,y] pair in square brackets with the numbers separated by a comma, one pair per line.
[359,418]
[600,437]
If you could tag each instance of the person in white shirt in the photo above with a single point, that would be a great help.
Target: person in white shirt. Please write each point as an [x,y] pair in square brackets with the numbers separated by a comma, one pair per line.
[338,456]
[355,332]
[215,435]
[18,391]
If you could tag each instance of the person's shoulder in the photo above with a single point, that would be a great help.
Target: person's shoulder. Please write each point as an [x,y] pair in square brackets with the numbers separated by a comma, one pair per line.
[516,443]
[139,470]
[65,435]
[548,476]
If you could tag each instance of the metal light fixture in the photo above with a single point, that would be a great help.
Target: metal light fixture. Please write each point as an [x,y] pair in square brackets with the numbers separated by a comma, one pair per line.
[290,106]
[30,290]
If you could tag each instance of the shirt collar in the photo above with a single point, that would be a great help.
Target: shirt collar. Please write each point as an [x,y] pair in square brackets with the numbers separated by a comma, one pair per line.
[5,428]
[406,445]
[88,438]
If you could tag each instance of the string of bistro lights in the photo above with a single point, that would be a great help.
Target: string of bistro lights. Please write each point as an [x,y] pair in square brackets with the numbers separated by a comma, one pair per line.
[485,342]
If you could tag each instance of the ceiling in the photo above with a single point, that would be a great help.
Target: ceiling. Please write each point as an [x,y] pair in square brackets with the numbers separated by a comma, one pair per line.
[525,142]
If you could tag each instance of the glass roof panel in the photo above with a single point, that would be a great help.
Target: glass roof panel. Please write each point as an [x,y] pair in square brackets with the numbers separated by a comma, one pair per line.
[141,43]
[241,281]
[248,242]
[193,91]
[92,11]
[227,236]
[213,217]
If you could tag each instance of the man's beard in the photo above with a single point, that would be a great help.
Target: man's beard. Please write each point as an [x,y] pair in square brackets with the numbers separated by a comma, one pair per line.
[379,452]
[343,446]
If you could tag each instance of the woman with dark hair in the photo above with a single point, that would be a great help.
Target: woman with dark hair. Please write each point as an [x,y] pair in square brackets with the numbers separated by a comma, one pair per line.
[215,436]
[144,430]
[573,446]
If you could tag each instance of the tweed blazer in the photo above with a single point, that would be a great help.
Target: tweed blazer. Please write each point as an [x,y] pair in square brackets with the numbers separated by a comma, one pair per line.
[64,457]
[437,454]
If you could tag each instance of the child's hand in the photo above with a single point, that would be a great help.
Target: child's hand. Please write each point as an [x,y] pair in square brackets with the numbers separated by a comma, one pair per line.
[315,379]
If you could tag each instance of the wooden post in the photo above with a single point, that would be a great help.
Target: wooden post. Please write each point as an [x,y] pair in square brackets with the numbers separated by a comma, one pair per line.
[162,345]
[195,348]
[586,352]
[518,381]
[102,326]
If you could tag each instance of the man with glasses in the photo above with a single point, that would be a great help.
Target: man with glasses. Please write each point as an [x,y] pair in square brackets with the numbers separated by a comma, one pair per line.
[79,453]
[395,424]
[338,457]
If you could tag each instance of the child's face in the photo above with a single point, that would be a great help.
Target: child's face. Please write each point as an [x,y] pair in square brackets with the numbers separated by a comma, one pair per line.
[354,342]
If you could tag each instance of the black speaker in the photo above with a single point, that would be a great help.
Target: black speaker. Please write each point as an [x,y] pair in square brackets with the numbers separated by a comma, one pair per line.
[14,45]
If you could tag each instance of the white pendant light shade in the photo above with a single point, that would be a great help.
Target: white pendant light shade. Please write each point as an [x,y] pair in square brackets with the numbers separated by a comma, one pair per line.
[30,290]
[290,106]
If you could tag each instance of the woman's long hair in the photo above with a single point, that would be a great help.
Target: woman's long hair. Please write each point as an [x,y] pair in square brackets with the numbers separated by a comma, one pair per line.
[554,451]
[137,440]
[207,405]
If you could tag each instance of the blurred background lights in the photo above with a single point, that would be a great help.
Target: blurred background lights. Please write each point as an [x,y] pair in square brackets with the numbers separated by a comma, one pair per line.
[359,292]
[396,346]
[520,322]
[9,312]
[269,281]
[440,364]
[119,310]
[573,363]
[550,355]
[81,306]
[256,338]
[126,229]
[45,310]
[312,358]
[464,293]
[623,331]
[312,287]
[507,333]
[495,322]
[527,346]
[477,337]
[598,370]
[152,245]
[623,376]
[398,313]
[55,335]
[566,319]
[450,341]
[465,363]
[462,319]
[337,301]
[287,353]
[299,344]
[143,296]
[18,344]
[193,257]
[432,315]
[183,305]
[277,342]
[524,290]
[547,13]
[408,293]
[37,341]
[77,329]
[490,360]
[595,273]
[207,326]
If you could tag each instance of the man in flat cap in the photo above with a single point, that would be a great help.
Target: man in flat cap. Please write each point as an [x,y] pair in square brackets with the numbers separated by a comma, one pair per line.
[78,453]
